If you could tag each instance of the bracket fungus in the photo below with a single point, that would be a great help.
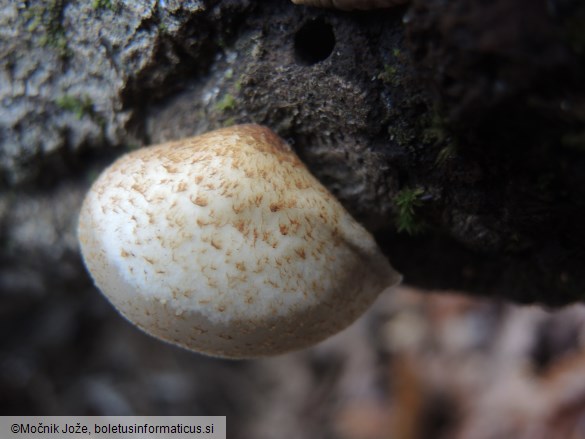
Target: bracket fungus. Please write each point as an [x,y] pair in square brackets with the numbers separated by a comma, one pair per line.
[225,244]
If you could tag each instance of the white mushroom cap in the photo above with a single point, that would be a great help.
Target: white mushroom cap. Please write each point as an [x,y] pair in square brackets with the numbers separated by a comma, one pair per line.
[226,244]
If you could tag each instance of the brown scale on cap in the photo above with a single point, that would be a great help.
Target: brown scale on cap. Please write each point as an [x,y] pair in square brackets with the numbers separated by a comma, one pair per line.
[225,244]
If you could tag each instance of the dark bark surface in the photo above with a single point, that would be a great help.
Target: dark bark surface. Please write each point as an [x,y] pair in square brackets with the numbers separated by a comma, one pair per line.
[507,80]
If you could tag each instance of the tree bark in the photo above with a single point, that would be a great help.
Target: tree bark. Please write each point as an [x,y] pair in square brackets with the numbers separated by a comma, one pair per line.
[453,130]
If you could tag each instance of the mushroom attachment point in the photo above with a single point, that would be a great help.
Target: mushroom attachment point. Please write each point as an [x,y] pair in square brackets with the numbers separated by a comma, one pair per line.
[225,244]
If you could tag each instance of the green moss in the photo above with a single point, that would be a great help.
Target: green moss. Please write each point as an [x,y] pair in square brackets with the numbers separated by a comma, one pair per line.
[112,5]
[238,84]
[435,127]
[163,27]
[48,19]
[230,121]
[33,23]
[390,75]
[447,152]
[228,102]
[433,134]
[404,136]
[406,202]
[80,106]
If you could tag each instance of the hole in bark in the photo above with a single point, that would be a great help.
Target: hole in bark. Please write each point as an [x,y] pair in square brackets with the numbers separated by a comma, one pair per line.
[314,42]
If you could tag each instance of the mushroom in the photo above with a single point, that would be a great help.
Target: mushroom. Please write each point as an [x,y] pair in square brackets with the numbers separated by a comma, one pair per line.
[348,5]
[225,244]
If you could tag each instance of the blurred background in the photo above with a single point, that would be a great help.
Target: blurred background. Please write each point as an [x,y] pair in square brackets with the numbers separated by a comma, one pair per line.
[418,365]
